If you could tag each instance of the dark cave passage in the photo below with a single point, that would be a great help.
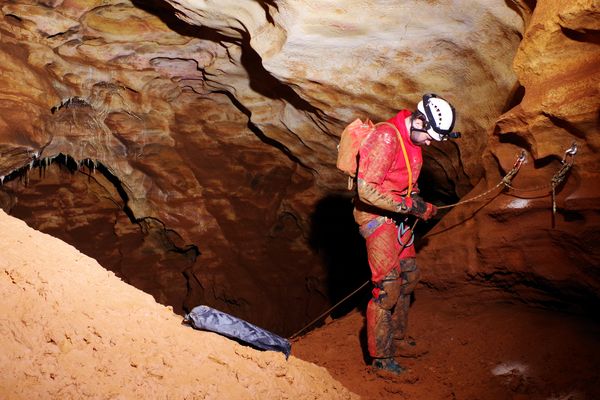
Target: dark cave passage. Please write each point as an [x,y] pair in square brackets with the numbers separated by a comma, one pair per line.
[83,204]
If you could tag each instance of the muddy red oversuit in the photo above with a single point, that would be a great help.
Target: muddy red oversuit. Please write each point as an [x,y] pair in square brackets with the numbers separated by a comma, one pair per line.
[393,268]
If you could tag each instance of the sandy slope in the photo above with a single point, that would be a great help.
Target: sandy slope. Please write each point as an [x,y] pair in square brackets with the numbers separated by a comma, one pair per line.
[71,329]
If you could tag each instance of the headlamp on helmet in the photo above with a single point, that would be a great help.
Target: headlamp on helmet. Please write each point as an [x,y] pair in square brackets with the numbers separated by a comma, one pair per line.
[439,116]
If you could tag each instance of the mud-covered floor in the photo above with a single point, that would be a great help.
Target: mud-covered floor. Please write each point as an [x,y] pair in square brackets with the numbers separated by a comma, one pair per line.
[476,348]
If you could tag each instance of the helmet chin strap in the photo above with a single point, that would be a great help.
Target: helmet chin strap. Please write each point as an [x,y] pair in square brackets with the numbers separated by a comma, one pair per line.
[413,117]
[413,129]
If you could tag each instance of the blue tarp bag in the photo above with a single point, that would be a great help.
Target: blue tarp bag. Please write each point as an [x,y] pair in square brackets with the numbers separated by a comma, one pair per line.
[209,319]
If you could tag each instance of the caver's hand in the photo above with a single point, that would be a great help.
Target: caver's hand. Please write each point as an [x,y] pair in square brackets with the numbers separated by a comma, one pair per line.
[421,209]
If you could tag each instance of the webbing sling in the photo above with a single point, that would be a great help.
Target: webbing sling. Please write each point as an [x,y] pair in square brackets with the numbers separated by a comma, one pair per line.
[408,168]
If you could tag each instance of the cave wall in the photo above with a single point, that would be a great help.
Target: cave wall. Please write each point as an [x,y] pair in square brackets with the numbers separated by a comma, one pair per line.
[201,136]
[198,197]
[515,241]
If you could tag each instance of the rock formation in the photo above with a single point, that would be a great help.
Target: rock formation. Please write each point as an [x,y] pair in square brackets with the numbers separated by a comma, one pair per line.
[517,242]
[190,146]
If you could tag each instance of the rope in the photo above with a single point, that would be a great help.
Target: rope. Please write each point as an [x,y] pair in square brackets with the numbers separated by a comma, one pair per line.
[558,178]
[560,175]
[311,323]
[505,181]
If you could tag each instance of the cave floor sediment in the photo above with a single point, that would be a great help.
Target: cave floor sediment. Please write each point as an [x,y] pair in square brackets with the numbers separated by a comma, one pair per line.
[475,348]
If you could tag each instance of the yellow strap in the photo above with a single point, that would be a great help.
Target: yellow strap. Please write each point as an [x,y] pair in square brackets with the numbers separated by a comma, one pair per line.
[405,155]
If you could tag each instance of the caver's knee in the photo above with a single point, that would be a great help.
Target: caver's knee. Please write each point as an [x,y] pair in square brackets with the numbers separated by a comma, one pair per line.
[410,275]
[387,291]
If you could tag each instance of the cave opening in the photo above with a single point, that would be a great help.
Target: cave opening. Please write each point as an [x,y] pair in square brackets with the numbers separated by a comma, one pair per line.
[87,206]
[83,203]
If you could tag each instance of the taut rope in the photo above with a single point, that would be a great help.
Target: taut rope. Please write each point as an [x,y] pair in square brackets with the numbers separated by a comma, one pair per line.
[567,162]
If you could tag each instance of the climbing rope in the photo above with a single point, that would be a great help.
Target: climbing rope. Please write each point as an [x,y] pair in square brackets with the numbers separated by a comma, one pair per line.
[560,175]
[506,182]
[566,164]
[314,321]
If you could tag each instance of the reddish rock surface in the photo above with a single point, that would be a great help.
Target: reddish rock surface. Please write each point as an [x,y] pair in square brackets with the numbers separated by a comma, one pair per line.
[514,240]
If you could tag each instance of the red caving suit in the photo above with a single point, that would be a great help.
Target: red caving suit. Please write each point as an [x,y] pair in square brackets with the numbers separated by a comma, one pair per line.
[393,270]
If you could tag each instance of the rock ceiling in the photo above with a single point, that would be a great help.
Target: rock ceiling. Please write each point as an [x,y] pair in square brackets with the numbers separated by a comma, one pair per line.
[195,141]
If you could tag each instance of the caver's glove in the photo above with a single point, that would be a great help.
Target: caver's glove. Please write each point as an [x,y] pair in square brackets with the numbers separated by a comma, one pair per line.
[418,207]
[415,205]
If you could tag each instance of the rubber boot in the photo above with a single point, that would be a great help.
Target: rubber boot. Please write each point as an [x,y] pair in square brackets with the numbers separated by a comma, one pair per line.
[388,365]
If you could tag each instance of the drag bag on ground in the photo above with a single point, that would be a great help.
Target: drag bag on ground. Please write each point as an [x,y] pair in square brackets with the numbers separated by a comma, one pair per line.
[209,319]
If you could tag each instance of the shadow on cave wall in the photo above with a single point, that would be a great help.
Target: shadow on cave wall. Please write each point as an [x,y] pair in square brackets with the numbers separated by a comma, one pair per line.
[334,236]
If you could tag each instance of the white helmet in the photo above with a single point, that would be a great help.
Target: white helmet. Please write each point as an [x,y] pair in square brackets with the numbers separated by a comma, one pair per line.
[440,116]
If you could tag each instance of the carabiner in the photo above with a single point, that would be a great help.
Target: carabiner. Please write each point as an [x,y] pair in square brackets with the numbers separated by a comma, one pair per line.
[402,229]
[520,159]
[571,151]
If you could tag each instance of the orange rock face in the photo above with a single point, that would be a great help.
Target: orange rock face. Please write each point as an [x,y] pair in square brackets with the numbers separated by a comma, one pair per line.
[191,148]
[516,242]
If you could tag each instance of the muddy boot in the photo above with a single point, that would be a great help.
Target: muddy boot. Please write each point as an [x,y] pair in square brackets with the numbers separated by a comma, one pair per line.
[388,365]
[408,348]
